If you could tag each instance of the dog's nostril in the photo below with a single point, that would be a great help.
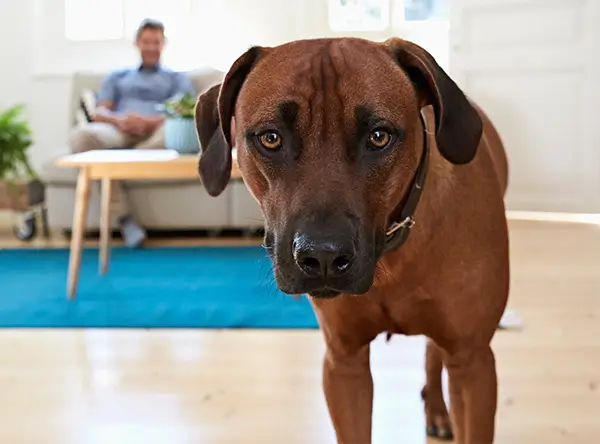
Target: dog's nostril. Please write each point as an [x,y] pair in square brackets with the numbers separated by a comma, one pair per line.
[324,264]
[341,264]
[310,265]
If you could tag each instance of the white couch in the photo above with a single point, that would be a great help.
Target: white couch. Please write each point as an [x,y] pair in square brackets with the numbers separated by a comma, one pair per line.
[159,205]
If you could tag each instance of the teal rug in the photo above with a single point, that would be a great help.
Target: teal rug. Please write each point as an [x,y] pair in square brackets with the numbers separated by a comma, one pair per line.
[179,287]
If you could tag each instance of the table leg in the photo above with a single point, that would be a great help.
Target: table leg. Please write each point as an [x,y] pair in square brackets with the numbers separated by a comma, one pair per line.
[82,197]
[105,225]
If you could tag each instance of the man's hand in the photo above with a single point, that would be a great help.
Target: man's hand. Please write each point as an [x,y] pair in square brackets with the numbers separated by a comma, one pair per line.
[133,124]
[138,125]
[152,123]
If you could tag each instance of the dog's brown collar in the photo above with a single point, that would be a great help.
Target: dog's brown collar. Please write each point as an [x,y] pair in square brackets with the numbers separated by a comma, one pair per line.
[399,229]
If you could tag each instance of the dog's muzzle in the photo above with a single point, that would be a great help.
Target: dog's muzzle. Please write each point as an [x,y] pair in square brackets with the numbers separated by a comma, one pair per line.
[321,259]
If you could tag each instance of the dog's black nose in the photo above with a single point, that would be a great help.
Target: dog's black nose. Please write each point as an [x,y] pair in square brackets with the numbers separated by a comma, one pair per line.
[323,257]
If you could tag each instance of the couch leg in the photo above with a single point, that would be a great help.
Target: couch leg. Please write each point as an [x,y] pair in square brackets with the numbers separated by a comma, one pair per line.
[45,227]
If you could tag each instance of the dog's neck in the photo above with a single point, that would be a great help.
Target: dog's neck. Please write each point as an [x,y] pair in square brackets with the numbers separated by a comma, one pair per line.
[403,220]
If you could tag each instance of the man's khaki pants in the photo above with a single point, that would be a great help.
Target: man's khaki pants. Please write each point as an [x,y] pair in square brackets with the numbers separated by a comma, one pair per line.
[104,136]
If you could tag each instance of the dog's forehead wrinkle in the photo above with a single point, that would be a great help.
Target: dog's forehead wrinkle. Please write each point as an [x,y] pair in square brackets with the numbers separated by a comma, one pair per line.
[287,112]
[326,76]
[325,102]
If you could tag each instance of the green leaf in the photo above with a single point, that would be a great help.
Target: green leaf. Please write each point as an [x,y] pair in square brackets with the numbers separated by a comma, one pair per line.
[182,105]
[15,140]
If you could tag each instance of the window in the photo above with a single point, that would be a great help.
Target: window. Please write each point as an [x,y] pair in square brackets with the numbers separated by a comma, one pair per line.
[89,20]
[175,14]
[359,15]
[101,20]
[420,10]
[374,15]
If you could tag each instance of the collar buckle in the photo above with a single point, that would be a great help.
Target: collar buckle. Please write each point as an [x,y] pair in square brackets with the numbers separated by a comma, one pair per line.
[407,222]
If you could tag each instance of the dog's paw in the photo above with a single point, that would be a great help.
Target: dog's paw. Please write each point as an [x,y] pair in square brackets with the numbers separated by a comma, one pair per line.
[436,417]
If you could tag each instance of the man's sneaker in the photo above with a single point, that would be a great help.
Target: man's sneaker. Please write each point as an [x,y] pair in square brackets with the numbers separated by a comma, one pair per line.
[133,234]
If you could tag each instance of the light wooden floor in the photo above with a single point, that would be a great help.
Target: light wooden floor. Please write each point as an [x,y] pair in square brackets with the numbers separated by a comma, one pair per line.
[257,387]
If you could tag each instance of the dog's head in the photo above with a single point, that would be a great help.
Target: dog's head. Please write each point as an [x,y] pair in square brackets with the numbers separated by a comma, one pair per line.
[328,138]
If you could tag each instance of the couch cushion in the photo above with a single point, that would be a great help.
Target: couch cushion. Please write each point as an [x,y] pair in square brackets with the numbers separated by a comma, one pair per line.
[204,78]
[56,176]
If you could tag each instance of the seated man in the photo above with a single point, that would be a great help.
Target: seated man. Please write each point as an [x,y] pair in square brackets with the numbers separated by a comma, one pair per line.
[127,114]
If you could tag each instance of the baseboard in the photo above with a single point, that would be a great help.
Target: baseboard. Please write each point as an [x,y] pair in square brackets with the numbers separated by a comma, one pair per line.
[174,234]
[7,220]
[541,216]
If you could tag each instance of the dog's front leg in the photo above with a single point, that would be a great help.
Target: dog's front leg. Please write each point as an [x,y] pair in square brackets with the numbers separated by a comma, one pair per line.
[436,414]
[348,386]
[473,384]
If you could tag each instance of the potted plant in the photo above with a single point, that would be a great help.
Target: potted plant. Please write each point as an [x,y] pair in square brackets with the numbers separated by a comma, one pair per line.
[180,128]
[20,187]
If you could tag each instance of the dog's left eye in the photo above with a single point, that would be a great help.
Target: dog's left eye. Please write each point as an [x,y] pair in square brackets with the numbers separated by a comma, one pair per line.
[379,139]
[270,140]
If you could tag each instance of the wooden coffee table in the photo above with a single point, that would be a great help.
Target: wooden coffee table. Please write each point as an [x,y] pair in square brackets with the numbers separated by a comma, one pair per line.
[109,165]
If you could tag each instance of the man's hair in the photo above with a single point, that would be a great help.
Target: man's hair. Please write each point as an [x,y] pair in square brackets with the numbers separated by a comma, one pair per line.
[153,24]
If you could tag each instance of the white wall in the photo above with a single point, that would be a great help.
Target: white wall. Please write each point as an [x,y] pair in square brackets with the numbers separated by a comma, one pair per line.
[43,95]
[16,46]
[539,85]
[38,60]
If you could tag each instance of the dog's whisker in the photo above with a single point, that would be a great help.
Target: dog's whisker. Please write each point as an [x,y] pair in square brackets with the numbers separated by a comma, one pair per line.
[268,278]
[273,290]
[266,269]
[381,271]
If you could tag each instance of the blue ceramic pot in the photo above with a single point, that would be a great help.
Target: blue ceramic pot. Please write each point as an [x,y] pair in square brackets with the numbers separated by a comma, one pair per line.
[180,135]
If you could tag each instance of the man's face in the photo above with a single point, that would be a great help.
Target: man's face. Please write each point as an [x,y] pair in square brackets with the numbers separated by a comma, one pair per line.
[150,43]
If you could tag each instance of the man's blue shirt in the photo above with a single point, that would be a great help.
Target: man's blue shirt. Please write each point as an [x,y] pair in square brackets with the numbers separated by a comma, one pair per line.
[139,90]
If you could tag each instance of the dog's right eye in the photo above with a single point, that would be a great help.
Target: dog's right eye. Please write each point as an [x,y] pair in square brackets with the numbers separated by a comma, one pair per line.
[379,139]
[270,140]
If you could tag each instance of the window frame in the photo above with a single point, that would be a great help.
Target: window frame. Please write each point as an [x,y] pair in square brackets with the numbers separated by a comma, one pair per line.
[127,23]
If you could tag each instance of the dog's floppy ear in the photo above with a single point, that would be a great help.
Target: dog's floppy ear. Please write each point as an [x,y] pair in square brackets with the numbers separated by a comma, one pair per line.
[458,125]
[213,114]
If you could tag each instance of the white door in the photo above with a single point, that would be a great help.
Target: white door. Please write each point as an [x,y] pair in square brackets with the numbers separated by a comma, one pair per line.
[534,66]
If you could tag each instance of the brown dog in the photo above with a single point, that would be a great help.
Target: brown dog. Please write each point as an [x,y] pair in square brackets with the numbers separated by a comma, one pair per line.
[382,189]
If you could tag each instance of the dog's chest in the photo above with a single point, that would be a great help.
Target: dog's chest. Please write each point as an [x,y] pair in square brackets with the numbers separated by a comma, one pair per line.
[399,318]
[406,314]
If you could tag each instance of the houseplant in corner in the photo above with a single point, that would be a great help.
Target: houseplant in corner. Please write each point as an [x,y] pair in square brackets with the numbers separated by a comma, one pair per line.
[20,187]
[180,128]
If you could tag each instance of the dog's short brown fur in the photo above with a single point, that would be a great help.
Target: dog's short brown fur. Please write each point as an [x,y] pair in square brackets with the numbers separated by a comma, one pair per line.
[312,119]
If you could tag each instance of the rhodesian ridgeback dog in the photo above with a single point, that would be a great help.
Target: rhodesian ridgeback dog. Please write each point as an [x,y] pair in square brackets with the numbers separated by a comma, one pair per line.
[382,189]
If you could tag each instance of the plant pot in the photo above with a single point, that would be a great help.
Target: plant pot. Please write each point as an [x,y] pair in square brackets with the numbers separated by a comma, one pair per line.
[181,136]
[20,196]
